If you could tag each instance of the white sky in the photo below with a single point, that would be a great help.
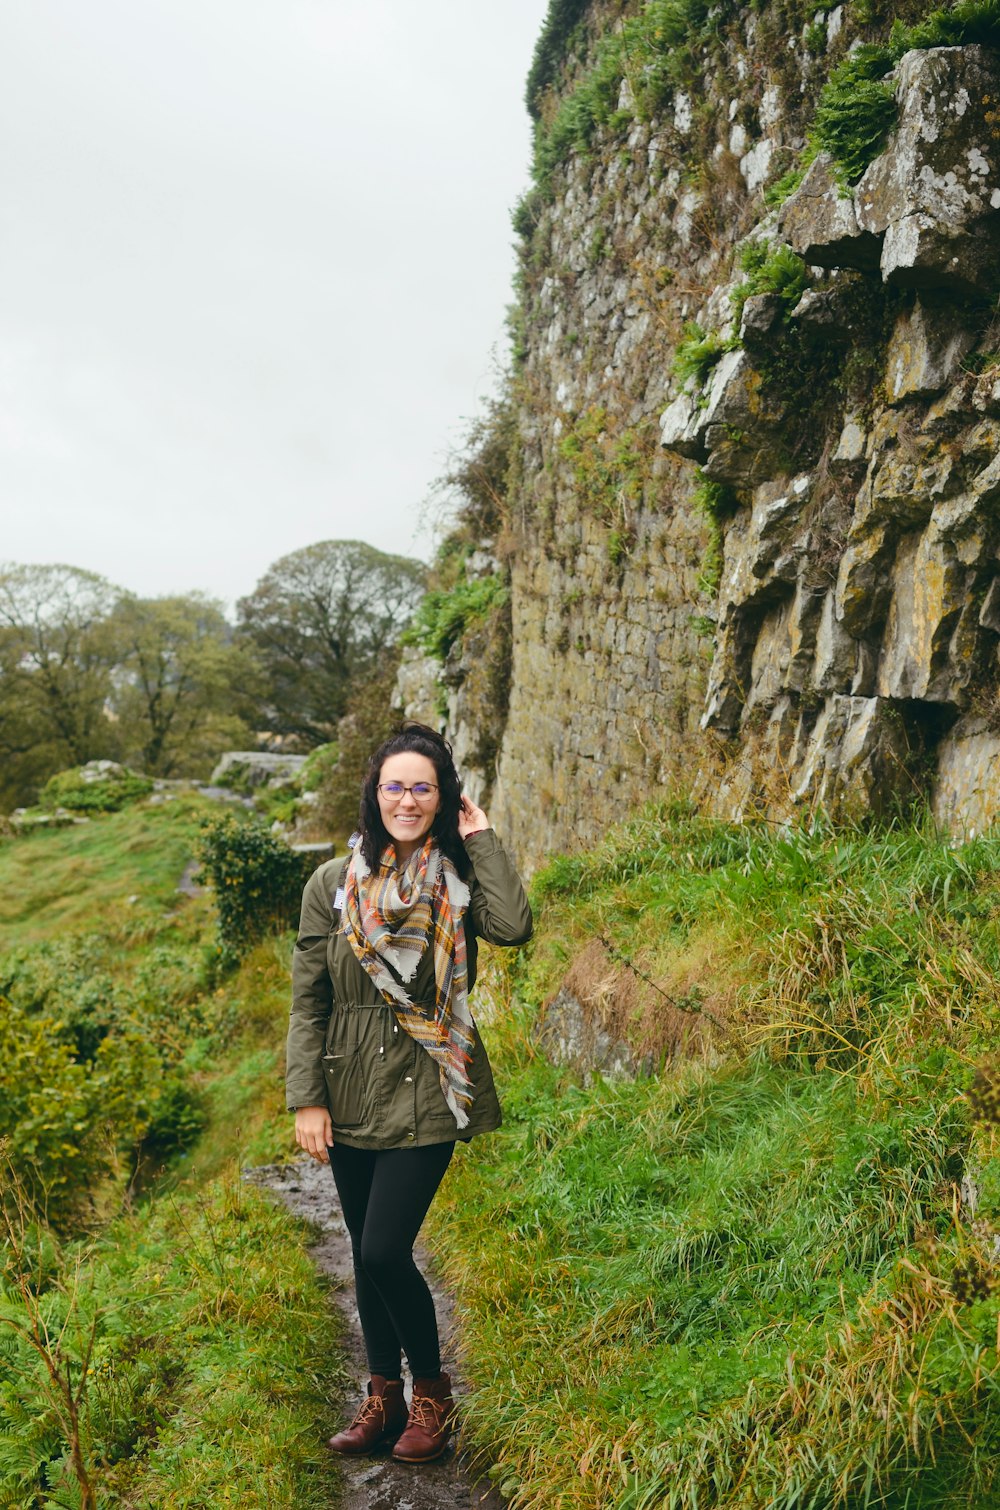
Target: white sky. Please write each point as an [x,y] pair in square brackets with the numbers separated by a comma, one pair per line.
[255,259]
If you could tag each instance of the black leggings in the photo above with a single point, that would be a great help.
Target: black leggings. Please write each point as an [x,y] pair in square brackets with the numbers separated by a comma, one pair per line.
[385,1195]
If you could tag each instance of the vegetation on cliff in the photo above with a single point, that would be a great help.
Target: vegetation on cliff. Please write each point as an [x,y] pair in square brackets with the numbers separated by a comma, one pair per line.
[766,1275]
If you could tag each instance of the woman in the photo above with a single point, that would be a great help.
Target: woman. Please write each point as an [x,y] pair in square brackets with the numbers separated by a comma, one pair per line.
[385,1065]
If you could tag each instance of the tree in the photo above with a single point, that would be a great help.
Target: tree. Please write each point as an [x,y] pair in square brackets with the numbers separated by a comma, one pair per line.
[183,688]
[56,660]
[323,619]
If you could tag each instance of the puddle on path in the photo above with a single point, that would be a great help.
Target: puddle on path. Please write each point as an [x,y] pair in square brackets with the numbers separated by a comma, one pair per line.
[375,1483]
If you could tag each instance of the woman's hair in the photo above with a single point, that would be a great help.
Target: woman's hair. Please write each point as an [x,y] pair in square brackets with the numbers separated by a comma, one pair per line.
[416,739]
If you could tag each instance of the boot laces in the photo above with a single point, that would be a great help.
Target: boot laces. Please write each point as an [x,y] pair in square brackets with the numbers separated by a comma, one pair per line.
[371,1405]
[424,1412]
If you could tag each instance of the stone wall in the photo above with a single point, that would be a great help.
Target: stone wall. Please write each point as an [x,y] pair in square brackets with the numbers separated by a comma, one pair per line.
[830,636]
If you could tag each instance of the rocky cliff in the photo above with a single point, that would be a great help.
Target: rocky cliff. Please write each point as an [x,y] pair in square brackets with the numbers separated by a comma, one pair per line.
[751,523]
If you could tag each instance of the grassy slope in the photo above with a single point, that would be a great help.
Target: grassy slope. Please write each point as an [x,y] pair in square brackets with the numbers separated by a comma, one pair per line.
[747,1281]
[212,1363]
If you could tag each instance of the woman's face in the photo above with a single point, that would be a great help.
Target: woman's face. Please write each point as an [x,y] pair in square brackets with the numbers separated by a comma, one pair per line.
[408,816]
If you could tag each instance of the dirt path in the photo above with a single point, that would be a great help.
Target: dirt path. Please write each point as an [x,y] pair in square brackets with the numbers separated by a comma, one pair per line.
[375,1483]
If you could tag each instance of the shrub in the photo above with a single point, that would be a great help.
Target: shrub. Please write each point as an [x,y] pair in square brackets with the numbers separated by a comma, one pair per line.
[443,617]
[558,28]
[769,271]
[178,1117]
[856,111]
[697,353]
[783,188]
[81,792]
[66,1121]
[257,880]
[958,26]
[716,503]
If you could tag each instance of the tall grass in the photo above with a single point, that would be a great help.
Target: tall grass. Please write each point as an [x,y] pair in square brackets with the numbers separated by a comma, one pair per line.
[750,1280]
[166,1340]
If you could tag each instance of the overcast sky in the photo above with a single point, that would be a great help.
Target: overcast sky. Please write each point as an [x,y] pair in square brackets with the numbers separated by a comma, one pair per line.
[255,259]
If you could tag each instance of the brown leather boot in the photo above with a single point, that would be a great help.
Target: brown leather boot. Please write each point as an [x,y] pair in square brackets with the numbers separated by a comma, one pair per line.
[378,1422]
[432,1414]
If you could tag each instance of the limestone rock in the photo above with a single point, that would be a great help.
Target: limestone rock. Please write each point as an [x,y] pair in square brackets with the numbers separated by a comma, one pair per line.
[256,768]
[920,656]
[989,613]
[849,453]
[765,545]
[966,793]
[835,658]
[821,224]
[933,192]
[570,1035]
[863,590]
[417,692]
[740,423]
[729,674]
[925,351]
[856,761]
[783,655]
[819,314]
[682,427]
[761,313]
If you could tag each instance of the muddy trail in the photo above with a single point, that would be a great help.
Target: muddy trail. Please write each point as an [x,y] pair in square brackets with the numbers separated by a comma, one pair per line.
[375,1483]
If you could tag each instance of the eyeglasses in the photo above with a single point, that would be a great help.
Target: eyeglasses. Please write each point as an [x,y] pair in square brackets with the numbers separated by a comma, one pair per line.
[422,790]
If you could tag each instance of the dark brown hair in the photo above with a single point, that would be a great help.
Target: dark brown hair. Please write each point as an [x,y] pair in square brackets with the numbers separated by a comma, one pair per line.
[415,739]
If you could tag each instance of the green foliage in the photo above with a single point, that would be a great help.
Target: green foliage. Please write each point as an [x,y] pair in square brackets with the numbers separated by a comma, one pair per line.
[190,690]
[257,880]
[323,621]
[88,672]
[954,26]
[769,270]
[655,50]
[525,214]
[619,546]
[67,1121]
[856,111]
[716,502]
[558,29]
[112,791]
[610,467]
[783,188]
[589,105]
[319,763]
[90,1064]
[194,1313]
[751,1269]
[697,353]
[443,617]
[126,1359]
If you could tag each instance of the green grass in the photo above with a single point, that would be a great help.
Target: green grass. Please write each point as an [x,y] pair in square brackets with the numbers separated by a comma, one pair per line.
[211,1337]
[740,1282]
[57,881]
[211,1365]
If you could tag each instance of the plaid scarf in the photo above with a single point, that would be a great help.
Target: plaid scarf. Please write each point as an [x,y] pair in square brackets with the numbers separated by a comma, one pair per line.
[388,919]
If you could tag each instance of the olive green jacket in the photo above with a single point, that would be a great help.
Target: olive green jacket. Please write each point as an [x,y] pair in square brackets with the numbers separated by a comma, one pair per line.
[345,1048]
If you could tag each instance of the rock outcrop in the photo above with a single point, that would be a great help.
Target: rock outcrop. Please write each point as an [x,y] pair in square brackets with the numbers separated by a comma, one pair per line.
[773,582]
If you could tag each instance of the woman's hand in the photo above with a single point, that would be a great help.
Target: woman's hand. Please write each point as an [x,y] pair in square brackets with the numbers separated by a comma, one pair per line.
[314,1131]
[470,819]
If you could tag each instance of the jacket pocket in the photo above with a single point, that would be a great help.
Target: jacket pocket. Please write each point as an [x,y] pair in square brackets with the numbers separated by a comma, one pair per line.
[345,1088]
